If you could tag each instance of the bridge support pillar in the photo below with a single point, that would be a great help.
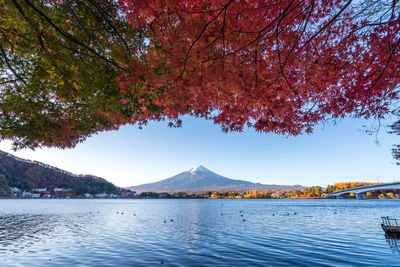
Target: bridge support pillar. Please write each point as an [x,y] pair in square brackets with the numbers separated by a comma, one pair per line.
[361,196]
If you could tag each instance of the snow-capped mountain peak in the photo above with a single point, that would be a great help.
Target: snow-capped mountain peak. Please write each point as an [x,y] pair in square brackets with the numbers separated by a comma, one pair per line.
[197,169]
[201,179]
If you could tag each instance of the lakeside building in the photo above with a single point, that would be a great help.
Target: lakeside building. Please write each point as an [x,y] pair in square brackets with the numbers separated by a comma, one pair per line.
[163,195]
[101,195]
[180,195]
[26,194]
[129,194]
[64,193]
[16,192]
[40,190]
[29,195]
[61,192]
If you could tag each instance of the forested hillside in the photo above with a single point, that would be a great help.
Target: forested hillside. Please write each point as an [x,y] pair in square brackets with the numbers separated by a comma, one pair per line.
[26,175]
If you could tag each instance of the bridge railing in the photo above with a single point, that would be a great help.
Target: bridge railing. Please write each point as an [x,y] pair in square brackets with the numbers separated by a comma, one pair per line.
[366,188]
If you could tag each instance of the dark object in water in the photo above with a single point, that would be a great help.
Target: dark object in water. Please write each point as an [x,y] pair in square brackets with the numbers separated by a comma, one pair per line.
[172,220]
[390,226]
[165,221]
[394,242]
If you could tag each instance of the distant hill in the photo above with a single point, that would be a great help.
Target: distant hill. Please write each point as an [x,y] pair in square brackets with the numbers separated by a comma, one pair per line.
[27,175]
[200,179]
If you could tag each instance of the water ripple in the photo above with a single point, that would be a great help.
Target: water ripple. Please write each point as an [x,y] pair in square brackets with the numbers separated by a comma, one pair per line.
[196,233]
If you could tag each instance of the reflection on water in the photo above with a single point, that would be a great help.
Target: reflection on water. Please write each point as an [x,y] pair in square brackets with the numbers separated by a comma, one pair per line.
[394,241]
[196,233]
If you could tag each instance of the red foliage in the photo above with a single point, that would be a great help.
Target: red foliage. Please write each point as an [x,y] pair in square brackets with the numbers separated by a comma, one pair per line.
[278,66]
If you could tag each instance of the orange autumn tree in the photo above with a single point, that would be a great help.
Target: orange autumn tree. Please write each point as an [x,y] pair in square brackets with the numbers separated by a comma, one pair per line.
[347,185]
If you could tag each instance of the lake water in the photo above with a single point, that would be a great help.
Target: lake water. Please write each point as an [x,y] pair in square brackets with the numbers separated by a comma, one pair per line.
[202,233]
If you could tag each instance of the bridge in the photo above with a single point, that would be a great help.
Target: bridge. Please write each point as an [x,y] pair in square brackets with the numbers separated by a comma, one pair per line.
[361,190]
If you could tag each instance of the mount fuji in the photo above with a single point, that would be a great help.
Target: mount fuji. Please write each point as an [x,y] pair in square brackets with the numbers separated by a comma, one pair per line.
[200,179]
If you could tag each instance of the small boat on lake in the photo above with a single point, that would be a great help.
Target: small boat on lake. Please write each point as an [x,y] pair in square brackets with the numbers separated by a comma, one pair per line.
[390,226]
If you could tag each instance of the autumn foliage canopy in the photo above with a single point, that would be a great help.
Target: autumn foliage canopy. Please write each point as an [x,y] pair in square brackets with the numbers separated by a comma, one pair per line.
[276,66]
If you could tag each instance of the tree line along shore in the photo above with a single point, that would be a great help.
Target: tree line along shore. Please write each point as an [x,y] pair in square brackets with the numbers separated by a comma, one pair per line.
[313,192]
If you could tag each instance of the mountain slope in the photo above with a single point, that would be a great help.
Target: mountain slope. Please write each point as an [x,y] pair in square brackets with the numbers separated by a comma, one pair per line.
[200,178]
[27,175]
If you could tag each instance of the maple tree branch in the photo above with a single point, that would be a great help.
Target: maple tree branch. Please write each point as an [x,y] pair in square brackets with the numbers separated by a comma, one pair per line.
[332,20]
[279,58]
[386,65]
[260,32]
[256,86]
[70,37]
[104,16]
[223,33]
[302,32]
[66,3]
[54,63]
[198,38]
[10,67]
[394,2]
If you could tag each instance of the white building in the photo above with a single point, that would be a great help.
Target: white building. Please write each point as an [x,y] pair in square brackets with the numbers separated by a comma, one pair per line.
[40,190]
[15,191]
[26,194]
[102,195]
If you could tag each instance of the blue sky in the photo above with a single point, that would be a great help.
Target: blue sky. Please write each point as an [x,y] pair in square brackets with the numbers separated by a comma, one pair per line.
[130,156]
